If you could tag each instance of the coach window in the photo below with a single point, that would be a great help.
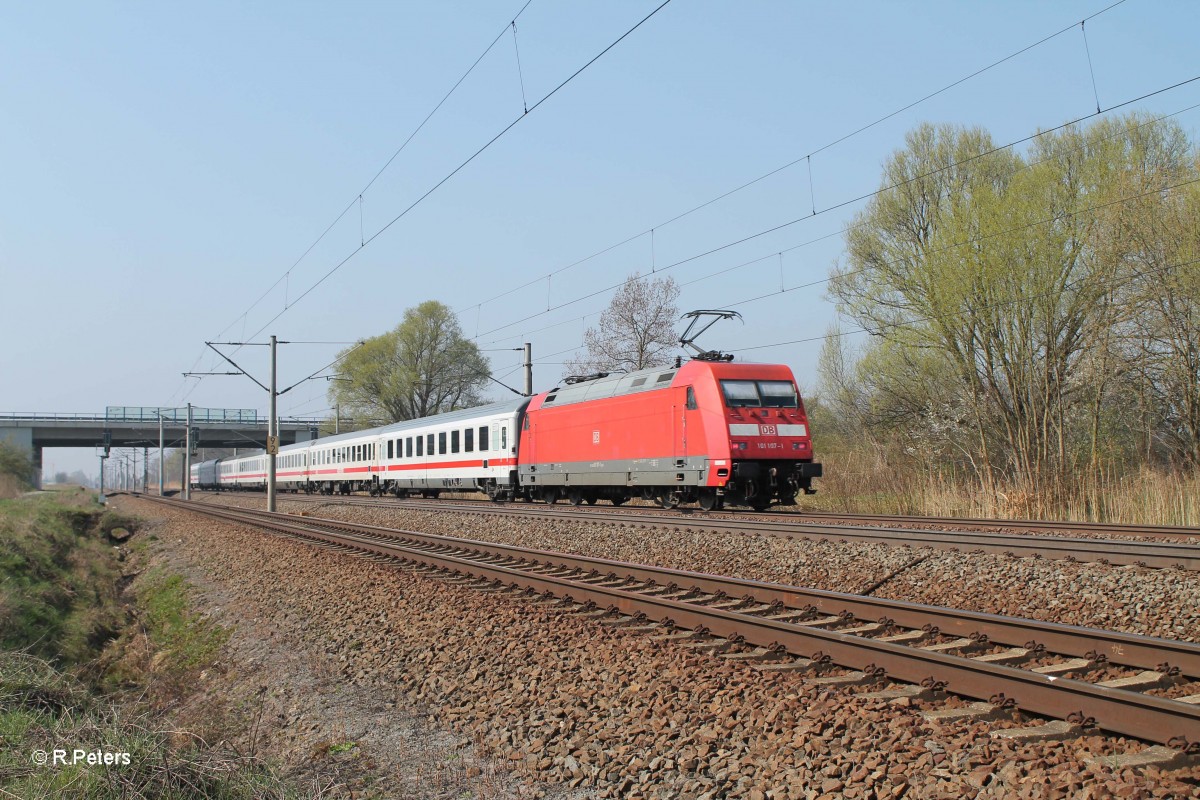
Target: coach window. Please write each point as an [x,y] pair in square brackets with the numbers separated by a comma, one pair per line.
[453,441]
[469,440]
[691,399]
[390,445]
[420,445]
[483,443]
[442,443]
[429,444]
[408,447]
[503,437]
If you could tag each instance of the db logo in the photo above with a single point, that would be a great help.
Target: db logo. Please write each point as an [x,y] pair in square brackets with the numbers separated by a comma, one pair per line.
[767,430]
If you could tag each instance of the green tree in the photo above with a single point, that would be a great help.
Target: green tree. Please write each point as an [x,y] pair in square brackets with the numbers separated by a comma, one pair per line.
[424,366]
[16,463]
[1003,291]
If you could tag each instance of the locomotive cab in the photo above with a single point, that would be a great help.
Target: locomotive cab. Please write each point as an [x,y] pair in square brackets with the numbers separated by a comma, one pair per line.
[770,448]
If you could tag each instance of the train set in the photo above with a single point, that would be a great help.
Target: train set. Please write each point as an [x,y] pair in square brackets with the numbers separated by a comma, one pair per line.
[706,432]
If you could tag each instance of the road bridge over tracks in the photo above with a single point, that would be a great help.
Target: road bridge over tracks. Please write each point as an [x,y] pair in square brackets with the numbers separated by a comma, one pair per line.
[138,426]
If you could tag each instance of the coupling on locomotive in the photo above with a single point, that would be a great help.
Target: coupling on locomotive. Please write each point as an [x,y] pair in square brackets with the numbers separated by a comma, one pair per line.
[707,432]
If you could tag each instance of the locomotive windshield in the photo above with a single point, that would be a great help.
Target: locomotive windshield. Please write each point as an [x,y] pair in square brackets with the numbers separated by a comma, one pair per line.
[760,394]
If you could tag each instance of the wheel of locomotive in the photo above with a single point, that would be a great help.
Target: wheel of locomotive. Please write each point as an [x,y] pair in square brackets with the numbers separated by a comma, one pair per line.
[576,497]
[618,499]
[591,499]
[668,500]
[550,495]
[708,499]
[760,503]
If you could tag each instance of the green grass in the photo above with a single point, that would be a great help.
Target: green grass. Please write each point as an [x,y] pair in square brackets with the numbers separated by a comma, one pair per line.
[58,580]
[42,709]
[62,627]
[186,640]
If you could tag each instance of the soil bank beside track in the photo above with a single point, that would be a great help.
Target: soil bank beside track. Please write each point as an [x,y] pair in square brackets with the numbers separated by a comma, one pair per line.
[578,709]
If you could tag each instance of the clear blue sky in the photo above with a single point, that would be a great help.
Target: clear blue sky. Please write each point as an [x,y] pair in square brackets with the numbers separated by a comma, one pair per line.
[164,164]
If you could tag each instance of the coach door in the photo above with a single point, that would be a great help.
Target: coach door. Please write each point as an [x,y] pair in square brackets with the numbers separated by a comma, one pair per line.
[690,424]
[679,422]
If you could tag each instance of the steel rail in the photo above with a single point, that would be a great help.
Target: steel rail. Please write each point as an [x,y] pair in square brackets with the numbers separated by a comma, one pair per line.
[1127,649]
[999,525]
[1121,552]
[1114,709]
[1166,532]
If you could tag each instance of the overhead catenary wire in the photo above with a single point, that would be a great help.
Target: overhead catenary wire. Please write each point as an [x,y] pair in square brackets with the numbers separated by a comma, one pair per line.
[846,203]
[979,239]
[805,158]
[968,310]
[967,242]
[359,196]
[461,166]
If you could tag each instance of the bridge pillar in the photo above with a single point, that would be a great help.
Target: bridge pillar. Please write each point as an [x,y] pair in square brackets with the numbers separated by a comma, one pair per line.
[36,460]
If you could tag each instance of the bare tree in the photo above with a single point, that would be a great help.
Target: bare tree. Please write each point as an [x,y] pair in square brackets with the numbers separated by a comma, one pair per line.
[636,331]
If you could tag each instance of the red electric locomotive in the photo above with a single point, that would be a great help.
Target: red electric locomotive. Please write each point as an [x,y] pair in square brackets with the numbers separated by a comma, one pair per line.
[708,431]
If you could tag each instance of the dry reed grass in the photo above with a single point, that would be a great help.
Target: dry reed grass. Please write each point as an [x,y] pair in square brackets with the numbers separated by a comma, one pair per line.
[860,481]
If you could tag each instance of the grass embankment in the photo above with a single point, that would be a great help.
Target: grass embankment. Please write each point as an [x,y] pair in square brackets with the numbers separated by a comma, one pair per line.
[83,675]
[875,483]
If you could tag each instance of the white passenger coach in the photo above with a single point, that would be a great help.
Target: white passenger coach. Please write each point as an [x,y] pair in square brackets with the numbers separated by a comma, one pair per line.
[470,450]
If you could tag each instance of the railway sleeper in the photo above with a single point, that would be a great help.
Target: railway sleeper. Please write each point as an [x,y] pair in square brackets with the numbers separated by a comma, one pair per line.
[1053,731]
[758,655]
[1159,756]
[709,645]
[1065,667]
[896,693]
[854,678]
[979,711]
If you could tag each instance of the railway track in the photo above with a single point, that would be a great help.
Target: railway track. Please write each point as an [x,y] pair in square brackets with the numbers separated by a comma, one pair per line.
[1122,552]
[1138,686]
[1164,532]
[1168,532]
